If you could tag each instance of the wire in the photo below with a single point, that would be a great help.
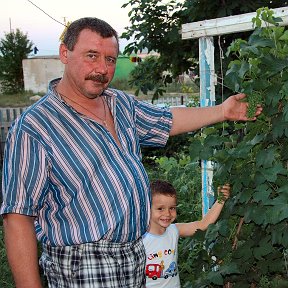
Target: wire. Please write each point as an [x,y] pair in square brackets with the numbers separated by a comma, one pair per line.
[46,13]
[221,56]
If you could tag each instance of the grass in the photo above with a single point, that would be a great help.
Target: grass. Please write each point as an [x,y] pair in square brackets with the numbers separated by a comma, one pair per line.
[21,99]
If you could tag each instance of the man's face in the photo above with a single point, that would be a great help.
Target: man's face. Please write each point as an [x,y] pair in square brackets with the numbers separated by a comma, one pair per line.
[90,67]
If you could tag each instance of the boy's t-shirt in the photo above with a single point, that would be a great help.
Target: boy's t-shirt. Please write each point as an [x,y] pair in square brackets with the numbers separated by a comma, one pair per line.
[161,258]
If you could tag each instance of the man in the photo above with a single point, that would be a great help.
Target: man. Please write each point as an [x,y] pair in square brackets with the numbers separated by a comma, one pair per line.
[73,177]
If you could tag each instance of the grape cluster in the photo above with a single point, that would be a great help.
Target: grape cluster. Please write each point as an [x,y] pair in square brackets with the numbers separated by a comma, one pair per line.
[253,100]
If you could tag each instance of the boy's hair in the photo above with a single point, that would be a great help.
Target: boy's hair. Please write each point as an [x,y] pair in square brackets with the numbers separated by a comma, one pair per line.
[94,24]
[163,187]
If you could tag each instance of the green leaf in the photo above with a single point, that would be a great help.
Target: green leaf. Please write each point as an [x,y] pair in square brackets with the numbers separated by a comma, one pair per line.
[244,252]
[232,78]
[258,41]
[243,69]
[257,139]
[279,127]
[266,158]
[277,213]
[284,37]
[255,214]
[229,269]
[262,193]
[194,149]
[273,64]
[271,173]
[279,234]
[215,278]
[214,140]
[264,248]
[245,196]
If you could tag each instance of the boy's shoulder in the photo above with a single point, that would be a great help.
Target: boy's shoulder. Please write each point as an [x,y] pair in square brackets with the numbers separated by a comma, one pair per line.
[171,229]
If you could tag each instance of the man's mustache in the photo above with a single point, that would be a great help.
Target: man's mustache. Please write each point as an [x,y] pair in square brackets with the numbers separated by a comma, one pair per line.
[99,78]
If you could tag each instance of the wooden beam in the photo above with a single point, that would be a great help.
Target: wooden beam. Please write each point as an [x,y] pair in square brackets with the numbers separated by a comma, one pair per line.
[226,25]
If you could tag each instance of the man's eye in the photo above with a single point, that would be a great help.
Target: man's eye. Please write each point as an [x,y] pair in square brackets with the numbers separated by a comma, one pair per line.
[111,60]
[92,56]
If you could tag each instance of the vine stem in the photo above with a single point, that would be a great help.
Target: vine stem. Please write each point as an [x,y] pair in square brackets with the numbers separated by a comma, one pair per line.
[237,233]
[228,284]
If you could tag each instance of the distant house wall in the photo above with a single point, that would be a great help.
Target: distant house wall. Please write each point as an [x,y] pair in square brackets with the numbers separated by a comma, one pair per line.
[39,70]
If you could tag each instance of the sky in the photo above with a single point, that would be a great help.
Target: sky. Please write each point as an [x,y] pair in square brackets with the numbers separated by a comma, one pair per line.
[44,32]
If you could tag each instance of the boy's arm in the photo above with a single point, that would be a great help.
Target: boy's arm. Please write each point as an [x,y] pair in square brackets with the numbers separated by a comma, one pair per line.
[189,229]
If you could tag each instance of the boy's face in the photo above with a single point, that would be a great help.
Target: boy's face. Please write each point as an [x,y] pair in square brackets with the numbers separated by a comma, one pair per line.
[163,213]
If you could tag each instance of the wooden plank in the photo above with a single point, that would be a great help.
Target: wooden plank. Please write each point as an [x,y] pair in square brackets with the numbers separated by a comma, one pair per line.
[227,25]
[6,124]
[7,116]
[2,130]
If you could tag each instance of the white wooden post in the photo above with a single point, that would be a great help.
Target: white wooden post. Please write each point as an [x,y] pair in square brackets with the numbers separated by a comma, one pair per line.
[207,98]
[204,30]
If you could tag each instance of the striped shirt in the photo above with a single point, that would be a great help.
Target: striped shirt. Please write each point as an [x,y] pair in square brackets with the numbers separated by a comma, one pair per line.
[68,171]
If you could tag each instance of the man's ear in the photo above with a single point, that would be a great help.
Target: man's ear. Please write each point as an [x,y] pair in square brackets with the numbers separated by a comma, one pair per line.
[63,53]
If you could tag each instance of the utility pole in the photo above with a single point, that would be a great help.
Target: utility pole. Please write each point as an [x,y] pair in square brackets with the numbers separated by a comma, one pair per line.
[10,25]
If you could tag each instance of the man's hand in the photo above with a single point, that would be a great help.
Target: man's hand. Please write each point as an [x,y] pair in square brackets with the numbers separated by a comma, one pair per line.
[234,109]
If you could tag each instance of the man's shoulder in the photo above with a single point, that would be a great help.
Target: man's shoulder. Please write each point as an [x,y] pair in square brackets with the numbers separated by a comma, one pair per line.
[37,107]
[32,114]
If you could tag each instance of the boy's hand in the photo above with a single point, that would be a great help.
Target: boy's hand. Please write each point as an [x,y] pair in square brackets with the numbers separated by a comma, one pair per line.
[223,192]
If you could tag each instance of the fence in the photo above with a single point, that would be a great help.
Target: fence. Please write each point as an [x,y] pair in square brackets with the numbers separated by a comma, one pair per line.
[171,101]
[7,116]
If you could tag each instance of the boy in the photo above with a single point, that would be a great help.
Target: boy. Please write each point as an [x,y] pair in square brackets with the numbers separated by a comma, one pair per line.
[161,240]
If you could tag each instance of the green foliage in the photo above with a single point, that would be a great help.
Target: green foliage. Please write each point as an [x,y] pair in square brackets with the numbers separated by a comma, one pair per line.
[156,26]
[13,49]
[258,60]
[176,148]
[153,79]
[120,84]
[248,246]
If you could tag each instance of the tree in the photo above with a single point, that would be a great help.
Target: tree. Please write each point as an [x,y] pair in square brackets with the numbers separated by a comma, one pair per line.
[13,49]
[156,25]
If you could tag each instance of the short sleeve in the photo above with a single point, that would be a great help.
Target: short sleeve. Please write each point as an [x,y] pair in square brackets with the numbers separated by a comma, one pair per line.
[24,175]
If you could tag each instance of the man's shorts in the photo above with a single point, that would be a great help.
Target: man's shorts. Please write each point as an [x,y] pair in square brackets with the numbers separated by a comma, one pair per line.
[99,264]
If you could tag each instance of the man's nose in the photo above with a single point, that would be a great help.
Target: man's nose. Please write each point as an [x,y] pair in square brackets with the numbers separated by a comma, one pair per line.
[101,66]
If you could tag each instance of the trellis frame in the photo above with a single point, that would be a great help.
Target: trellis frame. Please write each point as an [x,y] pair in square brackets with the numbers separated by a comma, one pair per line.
[205,30]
